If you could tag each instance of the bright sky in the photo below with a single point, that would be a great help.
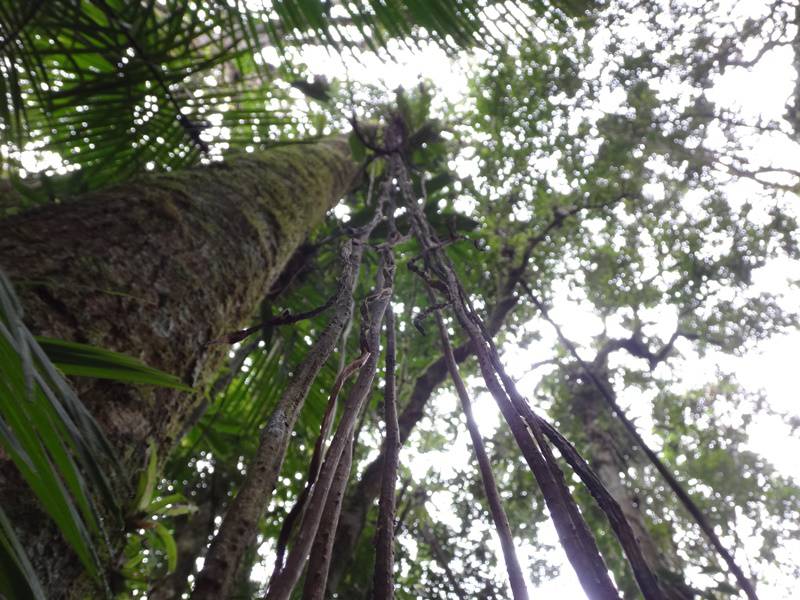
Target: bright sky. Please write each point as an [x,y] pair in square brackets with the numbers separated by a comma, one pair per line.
[769,366]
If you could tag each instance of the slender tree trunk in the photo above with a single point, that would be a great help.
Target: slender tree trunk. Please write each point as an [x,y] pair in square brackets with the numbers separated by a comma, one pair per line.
[282,585]
[605,456]
[515,577]
[383,581]
[157,268]
[239,526]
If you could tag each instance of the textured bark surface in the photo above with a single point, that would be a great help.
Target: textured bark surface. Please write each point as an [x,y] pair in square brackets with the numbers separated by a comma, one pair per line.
[492,495]
[383,582]
[320,558]
[609,464]
[157,268]
[281,586]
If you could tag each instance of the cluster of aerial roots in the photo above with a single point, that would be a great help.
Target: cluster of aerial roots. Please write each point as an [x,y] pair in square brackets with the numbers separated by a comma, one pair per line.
[306,539]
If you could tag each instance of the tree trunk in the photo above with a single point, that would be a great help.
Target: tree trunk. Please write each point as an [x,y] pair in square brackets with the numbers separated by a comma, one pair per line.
[608,462]
[157,268]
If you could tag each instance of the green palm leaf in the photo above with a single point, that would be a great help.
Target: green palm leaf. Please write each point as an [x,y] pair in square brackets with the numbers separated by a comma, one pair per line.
[102,89]
[54,442]
[73,358]
[45,429]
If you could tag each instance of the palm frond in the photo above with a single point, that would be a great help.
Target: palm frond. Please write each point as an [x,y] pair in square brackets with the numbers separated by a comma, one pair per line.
[17,577]
[55,443]
[84,360]
[51,438]
[113,88]
[97,90]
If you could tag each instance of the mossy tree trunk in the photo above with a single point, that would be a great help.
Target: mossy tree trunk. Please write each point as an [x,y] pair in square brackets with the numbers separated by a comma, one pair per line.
[157,268]
[610,455]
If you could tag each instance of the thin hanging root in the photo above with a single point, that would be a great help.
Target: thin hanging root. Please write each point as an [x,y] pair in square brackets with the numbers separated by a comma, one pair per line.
[647,581]
[576,538]
[240,523]
[516,580]
[682,495]
[322,529]
[579,526]
[320,559]
[316,461]
[382,584]
[375,306]
[286,318]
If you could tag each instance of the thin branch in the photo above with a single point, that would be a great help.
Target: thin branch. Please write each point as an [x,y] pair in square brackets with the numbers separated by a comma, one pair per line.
[316,461]
[441,559]
[572,529]
[647,581]
[285,318]
[373,311]
[320,559]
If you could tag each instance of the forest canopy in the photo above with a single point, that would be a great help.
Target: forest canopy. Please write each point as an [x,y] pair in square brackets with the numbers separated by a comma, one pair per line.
[398,299]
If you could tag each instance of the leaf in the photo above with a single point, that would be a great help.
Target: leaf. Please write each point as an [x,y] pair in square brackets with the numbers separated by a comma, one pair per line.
[147,480]
[156,506]
[83,360]
[180,509]
[358,150]
[170,547]
[17,577]
[53,441]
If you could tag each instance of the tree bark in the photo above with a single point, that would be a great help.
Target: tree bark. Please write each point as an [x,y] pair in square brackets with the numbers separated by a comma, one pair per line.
[609,465]
[320,559]
[383,581]
[502,527]
[157,268]
[240,524]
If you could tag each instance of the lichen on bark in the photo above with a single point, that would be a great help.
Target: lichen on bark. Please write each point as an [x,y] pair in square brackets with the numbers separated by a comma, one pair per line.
[158,267]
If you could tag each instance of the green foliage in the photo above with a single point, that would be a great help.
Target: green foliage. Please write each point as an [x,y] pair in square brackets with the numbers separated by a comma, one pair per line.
[55,444]
[84,360]
[618,206]
[104,88]
[17,577]
[151,551]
